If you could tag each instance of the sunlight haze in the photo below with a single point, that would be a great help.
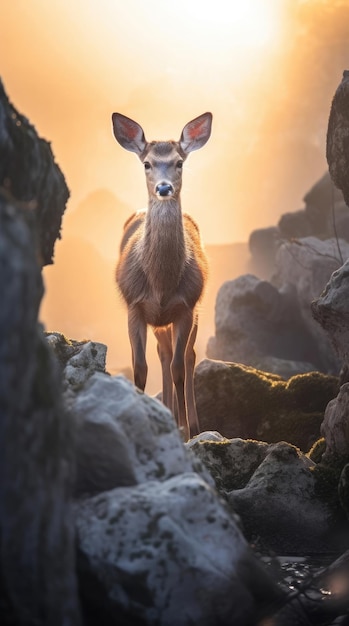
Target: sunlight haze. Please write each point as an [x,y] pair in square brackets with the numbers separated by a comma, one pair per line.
[266,69]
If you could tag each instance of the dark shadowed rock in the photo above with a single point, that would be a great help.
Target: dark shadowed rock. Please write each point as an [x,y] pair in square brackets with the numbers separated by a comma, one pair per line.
[337,147]
[274,489]
[30,177]
[240,401]
[260,325]
[37,562]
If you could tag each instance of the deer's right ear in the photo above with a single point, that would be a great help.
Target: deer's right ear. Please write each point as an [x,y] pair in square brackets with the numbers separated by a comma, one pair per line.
[128,133]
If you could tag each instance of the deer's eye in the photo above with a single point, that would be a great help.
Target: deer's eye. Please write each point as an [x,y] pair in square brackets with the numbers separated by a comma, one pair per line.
[179,165]
[147,165]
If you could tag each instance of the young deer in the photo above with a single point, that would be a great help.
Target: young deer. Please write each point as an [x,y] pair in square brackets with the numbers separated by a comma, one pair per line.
[162,267]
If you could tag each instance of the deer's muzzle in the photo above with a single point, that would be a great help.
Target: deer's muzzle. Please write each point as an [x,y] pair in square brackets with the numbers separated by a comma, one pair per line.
[164,189]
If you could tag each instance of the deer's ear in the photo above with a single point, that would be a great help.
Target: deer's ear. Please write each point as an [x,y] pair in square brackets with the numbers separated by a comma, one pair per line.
[196,133]
[128,133]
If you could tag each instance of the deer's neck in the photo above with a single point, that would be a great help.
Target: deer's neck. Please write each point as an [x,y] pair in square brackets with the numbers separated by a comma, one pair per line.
[164,250]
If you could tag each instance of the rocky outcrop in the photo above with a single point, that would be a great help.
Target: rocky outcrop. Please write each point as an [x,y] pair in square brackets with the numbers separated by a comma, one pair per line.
[29,176]
[337,152]
[274,489]
[269,325]
[324,216]
[37,561]
[240,401]
[331,310]
[152,532]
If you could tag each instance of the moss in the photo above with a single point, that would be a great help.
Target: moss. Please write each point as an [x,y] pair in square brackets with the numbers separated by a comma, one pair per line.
[240,401]
[316,451]
[327,475]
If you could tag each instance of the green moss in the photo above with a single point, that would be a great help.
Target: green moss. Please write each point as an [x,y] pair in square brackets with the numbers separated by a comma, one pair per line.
[316,451]
[258,405]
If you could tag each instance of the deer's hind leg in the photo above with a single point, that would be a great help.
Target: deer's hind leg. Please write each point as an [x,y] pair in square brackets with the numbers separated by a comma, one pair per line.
[164,339]
[182,328]
[190,359]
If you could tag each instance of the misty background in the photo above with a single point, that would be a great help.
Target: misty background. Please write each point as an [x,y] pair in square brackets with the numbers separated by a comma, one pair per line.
[267,69]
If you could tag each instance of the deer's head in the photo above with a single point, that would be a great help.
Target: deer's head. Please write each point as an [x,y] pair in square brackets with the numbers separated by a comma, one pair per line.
[162,160]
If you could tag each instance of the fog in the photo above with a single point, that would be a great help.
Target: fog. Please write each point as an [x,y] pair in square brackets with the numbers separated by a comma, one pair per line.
[267,69]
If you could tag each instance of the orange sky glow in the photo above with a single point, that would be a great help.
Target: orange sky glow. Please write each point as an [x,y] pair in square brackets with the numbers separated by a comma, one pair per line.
[68,65]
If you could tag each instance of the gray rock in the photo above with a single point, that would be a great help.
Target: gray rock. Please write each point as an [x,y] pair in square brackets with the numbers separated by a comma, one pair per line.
[335,427]
[273,490]
[125,437]
[79,359]
[259,325]
[169,553]
[331,310]
[37,559]
[306,266]
[279,503]
[337,152]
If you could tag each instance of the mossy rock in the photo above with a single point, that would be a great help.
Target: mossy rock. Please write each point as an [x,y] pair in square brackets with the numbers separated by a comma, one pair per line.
[240,401]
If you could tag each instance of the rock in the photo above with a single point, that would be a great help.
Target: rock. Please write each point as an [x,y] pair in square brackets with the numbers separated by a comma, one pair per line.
[273,489]
[37,560]
[29,176]
[263,243]
[343,489]
[231,462]
[335,426]
[305,266]
[261,326]
[169,553]
[295,225]
[337,151]
[240,401]
[79,359]
[125,437]
[331,310]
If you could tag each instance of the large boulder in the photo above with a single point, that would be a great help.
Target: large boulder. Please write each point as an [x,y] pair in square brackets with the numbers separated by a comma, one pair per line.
[260,325]
[168,553]
[274,489]
[29,176]
[155,542]
[240,401]
[37,559]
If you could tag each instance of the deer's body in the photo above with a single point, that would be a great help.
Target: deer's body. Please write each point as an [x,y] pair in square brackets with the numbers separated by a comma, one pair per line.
[162,266]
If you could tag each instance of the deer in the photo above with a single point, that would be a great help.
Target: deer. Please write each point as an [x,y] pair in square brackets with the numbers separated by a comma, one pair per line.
[162,266]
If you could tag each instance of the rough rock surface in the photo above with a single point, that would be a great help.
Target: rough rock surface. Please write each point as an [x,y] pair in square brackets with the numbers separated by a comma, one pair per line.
[37,560]
[270,326]
[335,426]
[307,266]
[125,437]
[156,544]
[337,151]
[324,216]
[29,176]
[257,324]
[79,359]
[274,490]
[240,401]
[176,546]
[331,310]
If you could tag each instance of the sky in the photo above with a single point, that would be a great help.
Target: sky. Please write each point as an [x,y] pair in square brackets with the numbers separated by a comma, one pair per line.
[258,65]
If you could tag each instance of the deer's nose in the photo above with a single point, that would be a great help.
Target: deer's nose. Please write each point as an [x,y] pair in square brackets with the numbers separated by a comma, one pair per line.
[164,189]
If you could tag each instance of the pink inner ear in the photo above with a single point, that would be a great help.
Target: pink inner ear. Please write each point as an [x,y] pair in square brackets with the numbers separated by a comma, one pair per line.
[196,129]
[130,130]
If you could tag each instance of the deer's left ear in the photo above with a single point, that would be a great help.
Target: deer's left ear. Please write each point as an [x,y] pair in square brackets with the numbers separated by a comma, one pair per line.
[196,133]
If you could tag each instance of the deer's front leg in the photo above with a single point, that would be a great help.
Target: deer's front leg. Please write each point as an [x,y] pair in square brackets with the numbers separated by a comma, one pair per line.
[137,330]
[182,328]
[164,339]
